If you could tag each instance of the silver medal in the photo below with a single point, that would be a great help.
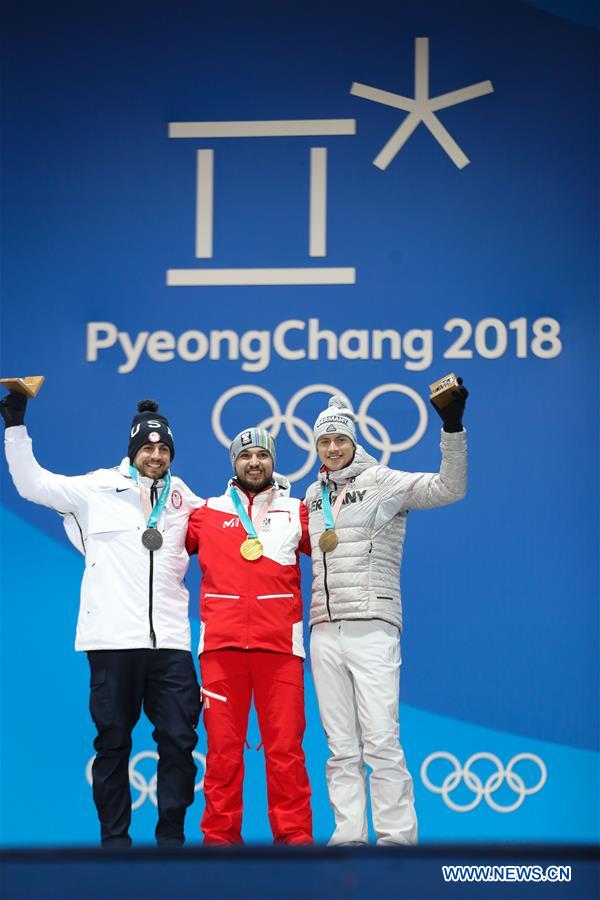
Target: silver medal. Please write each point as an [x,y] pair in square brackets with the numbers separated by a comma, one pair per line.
[152,539]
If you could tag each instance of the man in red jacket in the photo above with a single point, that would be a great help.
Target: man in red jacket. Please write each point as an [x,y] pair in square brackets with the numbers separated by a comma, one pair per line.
[248,543]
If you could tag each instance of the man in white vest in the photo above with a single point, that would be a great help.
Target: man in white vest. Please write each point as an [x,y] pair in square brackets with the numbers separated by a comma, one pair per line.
[130,524]
[357,523]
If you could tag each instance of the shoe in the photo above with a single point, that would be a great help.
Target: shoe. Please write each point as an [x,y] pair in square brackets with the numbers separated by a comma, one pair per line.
[350,844]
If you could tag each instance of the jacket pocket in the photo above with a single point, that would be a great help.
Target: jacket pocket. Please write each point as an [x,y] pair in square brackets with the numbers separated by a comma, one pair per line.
[271,620]
[224,617]
[103,520]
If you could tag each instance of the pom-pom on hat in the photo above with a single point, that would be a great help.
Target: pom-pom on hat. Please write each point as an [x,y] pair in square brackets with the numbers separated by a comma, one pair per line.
[338,418]
[149,427]
[251,437]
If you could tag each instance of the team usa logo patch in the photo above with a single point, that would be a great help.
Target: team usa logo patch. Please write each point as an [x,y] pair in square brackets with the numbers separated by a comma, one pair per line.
[176,499]
[154,437]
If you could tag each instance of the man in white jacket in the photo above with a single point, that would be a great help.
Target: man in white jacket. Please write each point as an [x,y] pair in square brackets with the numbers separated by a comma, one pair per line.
[130,524]
[357,522]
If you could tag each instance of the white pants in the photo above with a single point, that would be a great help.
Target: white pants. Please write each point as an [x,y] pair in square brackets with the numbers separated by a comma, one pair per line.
[356,670]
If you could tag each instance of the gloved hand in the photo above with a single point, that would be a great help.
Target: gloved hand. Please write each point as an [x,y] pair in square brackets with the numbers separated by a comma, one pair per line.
[12,409]
[452,413]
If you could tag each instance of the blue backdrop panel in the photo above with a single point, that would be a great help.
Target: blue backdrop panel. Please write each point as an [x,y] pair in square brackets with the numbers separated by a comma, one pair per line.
[237,208]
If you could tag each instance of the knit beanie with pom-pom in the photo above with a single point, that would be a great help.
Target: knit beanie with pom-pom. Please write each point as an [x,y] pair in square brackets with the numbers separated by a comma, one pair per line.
[149,427]
[338,418]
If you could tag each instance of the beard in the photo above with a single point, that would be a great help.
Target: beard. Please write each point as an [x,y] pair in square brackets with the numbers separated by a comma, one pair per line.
[155,475]
[252,488]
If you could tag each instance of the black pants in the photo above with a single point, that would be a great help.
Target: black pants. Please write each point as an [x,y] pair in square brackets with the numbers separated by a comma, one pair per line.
[165,682]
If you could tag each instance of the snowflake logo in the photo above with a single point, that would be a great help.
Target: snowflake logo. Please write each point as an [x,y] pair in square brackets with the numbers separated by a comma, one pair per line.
[421,108]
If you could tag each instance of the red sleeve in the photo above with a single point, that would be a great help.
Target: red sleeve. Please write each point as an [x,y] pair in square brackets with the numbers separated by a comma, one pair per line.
[304,545]
[191,540]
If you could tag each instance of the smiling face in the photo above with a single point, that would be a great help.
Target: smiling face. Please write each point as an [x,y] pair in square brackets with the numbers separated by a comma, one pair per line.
[336,451]
[153,460]
[254,469]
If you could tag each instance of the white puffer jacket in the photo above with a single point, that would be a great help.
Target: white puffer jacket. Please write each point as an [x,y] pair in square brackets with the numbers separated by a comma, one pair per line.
[360,579]
[130,598]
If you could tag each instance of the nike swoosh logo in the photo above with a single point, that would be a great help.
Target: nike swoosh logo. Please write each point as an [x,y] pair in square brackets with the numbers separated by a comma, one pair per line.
[120,490]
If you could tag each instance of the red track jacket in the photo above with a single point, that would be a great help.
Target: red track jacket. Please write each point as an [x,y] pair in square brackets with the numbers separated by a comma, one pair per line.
[250,605]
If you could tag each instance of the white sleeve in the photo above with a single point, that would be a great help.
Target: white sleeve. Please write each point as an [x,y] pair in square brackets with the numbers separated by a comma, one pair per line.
[194,501]
[59,492]
[426,490]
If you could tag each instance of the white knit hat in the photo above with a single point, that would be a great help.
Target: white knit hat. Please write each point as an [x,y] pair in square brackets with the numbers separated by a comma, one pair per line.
[338,418]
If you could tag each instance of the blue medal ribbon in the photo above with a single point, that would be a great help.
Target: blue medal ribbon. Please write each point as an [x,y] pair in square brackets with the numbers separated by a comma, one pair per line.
[242,514]
[327,510]
[162,500]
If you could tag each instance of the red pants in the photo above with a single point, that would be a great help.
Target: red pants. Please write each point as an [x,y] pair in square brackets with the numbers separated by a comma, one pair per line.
[277,681]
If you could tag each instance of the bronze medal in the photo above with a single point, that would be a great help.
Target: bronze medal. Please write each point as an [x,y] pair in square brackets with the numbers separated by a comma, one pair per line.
[152,539]
[251,549]
[328,540]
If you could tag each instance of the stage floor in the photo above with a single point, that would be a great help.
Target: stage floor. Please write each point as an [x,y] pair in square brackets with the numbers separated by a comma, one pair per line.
[300,873]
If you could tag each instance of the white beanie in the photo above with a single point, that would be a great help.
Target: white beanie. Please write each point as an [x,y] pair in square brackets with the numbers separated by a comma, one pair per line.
[338,418]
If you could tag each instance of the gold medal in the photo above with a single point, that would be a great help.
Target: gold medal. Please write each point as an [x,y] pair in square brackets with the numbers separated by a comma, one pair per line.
[328,540]
[251,549]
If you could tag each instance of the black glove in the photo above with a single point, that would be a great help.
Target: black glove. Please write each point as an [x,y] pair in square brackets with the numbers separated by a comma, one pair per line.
[452,413]
[12,409]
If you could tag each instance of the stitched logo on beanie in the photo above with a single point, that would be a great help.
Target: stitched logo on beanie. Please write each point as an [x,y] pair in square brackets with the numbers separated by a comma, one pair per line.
[331,428]
[343,420]
[246,438]
[154,436]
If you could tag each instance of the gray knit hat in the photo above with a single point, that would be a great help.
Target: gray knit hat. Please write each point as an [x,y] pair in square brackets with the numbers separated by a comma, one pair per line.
[251,437]
[338,418]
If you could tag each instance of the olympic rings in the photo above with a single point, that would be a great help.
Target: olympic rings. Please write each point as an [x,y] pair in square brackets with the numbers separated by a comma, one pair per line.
[492,784]
[301,432]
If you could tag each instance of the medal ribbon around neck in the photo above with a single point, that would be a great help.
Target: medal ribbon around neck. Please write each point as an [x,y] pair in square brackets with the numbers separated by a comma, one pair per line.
[252,548]
[152,514]
[329,538]
[330,514]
